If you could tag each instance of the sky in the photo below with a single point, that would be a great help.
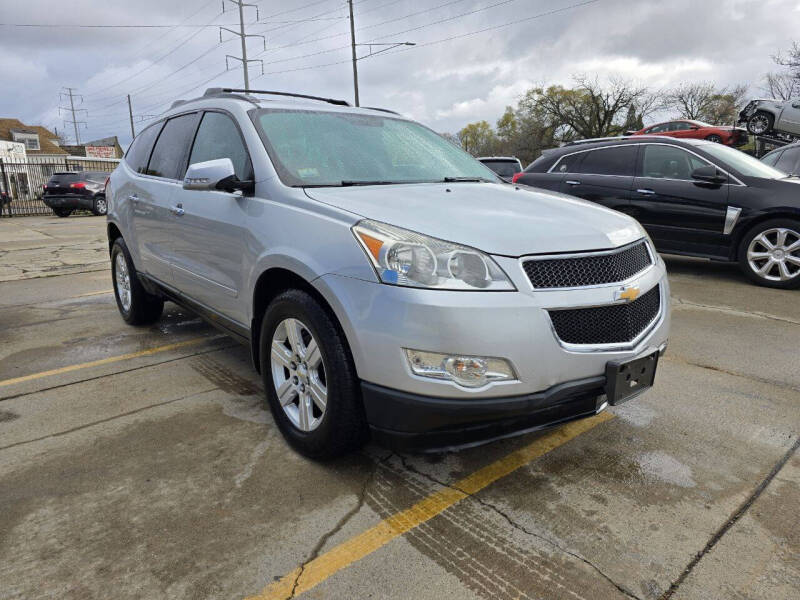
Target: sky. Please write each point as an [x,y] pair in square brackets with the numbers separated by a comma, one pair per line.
[472,57]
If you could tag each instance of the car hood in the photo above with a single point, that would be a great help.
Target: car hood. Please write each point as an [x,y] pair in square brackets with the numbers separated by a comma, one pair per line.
[495,218]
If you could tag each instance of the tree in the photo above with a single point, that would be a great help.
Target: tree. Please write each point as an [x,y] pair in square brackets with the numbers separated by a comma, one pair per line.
[704,102]
[479,139]
[791,60]
[782,86]
[508,128]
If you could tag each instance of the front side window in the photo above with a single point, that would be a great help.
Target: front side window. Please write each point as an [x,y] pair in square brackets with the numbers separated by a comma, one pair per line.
[741,162]
[169,154]
[217,137]
[326,148]
[669,162]
[610,161]
[139,152]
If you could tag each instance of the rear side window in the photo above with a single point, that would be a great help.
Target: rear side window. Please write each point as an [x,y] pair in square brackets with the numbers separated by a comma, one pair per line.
[169,155]
[569,163]
[610,161]
[788,161]
[218,137]
[139,152]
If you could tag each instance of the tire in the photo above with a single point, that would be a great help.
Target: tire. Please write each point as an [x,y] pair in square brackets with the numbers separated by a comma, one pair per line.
[778,267]
[100,207]
[62,212]
[341,427]
[714,138]
[760,123]
[136,306]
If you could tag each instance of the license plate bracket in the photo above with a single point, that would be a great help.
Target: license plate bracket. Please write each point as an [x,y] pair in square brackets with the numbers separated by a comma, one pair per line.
[627,379]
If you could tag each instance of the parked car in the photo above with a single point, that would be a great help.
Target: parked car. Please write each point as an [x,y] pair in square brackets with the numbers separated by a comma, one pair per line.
[693,197]
[75,190]
[786,159]
[769,116]
[697,130]
[505,166]
[383,279]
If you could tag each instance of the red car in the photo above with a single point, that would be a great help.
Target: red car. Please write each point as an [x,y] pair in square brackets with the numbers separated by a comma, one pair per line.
[730,136]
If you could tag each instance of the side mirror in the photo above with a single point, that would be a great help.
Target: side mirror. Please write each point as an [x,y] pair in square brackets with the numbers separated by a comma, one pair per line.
[709,174]
[215,176]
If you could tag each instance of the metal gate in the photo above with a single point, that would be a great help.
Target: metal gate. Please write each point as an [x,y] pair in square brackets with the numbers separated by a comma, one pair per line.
[22,183]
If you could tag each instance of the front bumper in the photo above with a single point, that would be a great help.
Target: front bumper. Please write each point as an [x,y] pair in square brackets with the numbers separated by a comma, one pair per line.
[70,202]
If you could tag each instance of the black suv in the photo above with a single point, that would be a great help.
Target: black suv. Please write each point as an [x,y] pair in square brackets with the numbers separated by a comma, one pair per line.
[693,197]
[73,190]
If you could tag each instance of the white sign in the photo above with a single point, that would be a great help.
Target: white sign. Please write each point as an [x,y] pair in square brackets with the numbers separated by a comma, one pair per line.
[100,151]
[12,149]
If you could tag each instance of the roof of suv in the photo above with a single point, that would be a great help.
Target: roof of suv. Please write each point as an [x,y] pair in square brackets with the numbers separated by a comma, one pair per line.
[583,145]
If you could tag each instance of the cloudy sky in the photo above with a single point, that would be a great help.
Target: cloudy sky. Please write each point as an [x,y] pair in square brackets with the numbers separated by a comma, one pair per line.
[473,57]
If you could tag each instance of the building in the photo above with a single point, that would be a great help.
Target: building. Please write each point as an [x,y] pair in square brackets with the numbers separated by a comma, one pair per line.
[103,148]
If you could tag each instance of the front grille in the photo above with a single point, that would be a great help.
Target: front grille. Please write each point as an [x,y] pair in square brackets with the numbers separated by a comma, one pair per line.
[612,324]
[591,269]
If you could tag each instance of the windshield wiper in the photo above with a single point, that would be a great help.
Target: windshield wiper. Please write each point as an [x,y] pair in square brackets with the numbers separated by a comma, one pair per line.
[352,182]
[465,179]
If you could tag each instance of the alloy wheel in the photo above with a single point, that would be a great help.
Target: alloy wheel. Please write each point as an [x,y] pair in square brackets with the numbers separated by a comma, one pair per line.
[123,281]
[101,205]
[774,254]
[298,374]
[759,124]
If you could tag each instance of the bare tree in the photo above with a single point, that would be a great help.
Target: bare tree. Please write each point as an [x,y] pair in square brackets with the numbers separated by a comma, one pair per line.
[783,86]
[790,60]
[691,100]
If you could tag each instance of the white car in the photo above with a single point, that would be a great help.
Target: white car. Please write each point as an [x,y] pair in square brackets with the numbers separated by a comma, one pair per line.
[769,116]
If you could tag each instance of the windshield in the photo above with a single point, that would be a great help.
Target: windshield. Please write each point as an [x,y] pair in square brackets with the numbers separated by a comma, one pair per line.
[744,163]
[319,148]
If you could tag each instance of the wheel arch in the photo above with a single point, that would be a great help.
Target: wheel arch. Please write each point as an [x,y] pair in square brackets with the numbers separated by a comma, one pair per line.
[744,228]
[269,284]
[113,233]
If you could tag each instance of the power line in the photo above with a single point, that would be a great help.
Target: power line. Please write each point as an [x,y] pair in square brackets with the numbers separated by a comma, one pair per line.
[243,35]
[75,122]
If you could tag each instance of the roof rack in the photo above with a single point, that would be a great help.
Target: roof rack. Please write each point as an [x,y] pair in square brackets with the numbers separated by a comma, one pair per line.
[217,91]
[611,138]
[386,110]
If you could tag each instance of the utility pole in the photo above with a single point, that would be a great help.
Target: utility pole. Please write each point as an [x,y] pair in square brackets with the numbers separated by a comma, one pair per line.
[385,47]
[243,35]
[75,122]
[353,48]
[130,115]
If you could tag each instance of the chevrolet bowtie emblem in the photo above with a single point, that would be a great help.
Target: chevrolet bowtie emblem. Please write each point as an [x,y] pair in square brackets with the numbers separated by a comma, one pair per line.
[629,294]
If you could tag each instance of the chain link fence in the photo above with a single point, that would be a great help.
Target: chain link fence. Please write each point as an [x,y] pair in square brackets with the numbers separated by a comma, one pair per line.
[22,183]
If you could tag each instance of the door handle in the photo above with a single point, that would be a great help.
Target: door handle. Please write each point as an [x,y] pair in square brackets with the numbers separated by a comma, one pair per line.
[646,192]
[572,182]
[177,210]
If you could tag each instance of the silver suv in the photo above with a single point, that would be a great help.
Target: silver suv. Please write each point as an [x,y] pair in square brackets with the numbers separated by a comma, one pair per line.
[386,282]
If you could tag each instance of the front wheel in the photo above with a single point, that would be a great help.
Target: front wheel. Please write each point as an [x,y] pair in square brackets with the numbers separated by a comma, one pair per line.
[100,206]
[62,212]
[136,306]
[309,377]
[760,123]
[770,254]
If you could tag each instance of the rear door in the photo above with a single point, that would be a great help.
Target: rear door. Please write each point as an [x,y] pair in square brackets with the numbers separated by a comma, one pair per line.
[680,214]
[209,230]
[604,175]
[539,175]
[789,119]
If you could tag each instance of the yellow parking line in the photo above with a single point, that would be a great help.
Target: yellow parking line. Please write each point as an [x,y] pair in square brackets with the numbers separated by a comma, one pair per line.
[104,361]
[356,548]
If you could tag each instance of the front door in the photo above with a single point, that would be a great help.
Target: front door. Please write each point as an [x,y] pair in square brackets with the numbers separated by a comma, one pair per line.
[789,119]
[210,236]
[680,214]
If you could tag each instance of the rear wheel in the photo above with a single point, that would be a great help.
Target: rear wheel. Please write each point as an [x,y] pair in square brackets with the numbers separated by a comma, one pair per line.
[100,206]
[760,123]
[135,305]
[770,254]
[717,139]
[309,377]
[62,212]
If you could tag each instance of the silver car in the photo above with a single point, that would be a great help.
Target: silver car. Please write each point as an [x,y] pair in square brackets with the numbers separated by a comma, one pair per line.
[387,283]
[769,116]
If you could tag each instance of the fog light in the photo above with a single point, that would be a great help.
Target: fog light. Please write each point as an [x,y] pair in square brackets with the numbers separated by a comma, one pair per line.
[466,371]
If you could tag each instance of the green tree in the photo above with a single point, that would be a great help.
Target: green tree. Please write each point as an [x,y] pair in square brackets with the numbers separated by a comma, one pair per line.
[479,139]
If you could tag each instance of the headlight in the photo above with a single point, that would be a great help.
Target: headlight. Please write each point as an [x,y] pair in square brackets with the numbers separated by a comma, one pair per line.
[403,257]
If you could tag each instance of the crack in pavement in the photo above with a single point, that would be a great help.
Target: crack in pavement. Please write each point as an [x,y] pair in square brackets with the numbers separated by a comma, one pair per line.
[362,496]
[732,520]
[734,311]
[412,469]
[778,384]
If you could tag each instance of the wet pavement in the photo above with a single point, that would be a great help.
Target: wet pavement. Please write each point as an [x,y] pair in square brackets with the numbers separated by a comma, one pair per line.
[140,463]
